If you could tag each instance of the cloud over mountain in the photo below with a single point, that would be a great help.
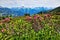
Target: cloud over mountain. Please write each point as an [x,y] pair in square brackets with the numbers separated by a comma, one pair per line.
[30,3]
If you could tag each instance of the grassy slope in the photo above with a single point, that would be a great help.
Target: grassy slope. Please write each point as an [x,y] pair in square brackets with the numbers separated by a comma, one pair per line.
[21,29]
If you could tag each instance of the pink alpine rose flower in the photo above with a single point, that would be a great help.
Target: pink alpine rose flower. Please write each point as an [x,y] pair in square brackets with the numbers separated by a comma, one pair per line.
[2,30]
[36,16]
[28,18]
[6,20]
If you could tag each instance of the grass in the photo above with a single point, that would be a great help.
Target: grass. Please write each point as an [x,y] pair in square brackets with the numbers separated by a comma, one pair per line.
[36,27]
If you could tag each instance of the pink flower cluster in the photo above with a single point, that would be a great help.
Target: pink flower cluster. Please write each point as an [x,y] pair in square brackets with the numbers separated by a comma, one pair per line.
[28,18]
[36,16]
[47,15]
[2,30]
[40,18]
[6,20]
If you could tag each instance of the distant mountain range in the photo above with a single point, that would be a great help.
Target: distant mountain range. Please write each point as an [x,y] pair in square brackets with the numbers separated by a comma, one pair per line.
[22,10]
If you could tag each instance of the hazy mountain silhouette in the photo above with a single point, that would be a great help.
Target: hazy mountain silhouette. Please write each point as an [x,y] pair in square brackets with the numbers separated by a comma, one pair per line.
[22,10]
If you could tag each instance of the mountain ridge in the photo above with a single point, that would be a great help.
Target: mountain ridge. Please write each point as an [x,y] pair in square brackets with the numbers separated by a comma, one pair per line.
[22,10]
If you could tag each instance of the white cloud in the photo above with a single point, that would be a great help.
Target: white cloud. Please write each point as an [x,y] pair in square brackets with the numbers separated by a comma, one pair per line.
[29,3]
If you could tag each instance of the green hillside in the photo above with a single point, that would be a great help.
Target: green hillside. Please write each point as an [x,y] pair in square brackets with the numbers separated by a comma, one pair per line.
[56,11]
[36,27]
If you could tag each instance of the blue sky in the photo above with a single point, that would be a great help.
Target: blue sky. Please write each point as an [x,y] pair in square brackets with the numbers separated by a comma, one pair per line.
[29,3]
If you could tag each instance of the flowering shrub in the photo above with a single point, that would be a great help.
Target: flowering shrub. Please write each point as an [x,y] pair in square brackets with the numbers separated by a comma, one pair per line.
[36,16]
[6,20]
[28,18]
[47,15]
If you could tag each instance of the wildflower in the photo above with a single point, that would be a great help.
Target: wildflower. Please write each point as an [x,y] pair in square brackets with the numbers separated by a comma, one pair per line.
[6,20]
[47,15]
[36,16]
[41,18]
[28,18]
[2,30]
